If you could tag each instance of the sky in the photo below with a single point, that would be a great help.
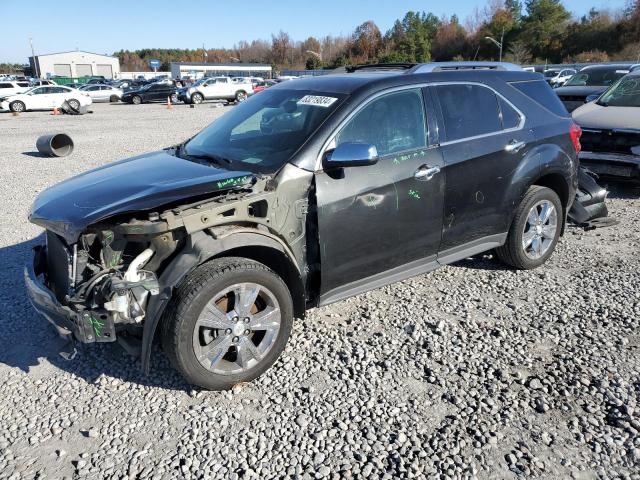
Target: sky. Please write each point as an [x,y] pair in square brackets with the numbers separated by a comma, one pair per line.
[106,27]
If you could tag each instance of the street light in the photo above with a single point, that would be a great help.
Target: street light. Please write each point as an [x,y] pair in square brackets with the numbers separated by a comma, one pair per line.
[497,43]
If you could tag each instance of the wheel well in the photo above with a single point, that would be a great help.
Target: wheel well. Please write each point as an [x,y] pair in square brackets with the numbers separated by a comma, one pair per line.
[279,263]
[558,184]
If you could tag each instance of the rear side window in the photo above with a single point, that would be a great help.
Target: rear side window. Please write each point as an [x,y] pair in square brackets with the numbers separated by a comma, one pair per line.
[468,110]
[510,117]
[5,85]
[540,92]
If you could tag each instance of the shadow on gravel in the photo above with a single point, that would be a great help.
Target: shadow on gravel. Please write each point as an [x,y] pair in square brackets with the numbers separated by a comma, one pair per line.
[483,261]
[35,154]
[29,342]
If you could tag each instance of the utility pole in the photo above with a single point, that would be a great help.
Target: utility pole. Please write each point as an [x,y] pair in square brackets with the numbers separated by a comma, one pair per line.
[33,55]
[204,54]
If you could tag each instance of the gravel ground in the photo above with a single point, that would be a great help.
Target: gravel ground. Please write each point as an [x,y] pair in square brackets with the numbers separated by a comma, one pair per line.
[472,371]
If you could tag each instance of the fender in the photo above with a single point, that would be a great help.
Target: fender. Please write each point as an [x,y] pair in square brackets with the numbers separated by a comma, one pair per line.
[199,248]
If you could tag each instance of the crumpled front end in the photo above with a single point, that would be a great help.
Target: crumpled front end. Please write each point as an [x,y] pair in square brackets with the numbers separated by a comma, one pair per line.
[98,285]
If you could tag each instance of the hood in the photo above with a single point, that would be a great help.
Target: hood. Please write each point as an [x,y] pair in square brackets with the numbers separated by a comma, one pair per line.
[592,115]
[140,183]
[579,91]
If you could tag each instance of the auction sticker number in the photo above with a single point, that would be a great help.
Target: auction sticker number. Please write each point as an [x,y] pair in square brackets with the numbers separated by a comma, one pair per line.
[317,100]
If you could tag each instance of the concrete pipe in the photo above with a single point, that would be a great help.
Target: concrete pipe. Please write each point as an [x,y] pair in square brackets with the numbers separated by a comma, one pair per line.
[56,145]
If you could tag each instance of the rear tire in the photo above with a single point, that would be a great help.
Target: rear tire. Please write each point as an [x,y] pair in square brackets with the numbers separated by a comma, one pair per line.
[74,104]
[231,347]
[113,98]
[174,98]
[535,230]
[17,106]
[241,96]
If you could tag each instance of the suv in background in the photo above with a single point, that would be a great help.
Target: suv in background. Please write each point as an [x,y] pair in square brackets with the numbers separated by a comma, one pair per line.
[216,88]
[8,88]
[315,190]
[589,81]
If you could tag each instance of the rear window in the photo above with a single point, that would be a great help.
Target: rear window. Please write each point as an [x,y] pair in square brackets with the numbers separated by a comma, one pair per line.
[540,92]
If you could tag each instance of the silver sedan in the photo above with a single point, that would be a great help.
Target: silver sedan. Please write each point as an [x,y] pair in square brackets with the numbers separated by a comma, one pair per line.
[102,93]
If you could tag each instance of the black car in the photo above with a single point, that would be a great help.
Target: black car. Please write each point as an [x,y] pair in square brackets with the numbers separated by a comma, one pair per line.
[589,81]
[311,192]
[152,92]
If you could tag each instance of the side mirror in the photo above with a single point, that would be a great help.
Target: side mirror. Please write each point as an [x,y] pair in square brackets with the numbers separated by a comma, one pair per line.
[351,155]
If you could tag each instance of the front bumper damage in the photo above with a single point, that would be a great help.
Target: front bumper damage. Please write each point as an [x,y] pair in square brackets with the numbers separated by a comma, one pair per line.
[620,165]
[83,326]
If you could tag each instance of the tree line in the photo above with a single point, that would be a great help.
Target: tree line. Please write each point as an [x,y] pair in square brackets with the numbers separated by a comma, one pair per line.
[530,31]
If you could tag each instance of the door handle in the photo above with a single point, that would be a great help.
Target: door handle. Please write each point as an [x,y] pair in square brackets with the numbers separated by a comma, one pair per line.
[514,146]
[425,173]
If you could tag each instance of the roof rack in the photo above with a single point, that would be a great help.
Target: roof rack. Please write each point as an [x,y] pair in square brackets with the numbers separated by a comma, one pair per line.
[380,67]
[449,66]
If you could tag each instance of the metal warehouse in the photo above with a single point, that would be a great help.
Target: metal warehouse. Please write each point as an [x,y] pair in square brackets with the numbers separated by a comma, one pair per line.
[75,64]
[181,69]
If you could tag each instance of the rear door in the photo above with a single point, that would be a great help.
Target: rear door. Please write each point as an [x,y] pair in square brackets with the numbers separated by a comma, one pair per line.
[483,143]
[381,223]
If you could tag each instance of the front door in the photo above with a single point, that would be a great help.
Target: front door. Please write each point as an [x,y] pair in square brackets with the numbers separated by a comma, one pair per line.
[381,223]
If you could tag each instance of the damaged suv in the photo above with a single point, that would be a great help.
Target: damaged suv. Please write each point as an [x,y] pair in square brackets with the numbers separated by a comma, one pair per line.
[313,191]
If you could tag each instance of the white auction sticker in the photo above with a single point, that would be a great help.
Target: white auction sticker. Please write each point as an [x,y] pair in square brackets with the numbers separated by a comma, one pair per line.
[317,100]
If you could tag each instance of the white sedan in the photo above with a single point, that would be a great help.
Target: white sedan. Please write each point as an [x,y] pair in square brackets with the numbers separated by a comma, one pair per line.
[45,98]
[102,93]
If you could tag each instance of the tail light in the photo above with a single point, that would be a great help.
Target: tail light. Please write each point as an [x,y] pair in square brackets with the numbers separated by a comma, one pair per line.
[575,132]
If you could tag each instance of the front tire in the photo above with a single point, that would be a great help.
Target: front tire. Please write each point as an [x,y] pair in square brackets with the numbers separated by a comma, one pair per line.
[535,229]
[241,96]
[228,323]
[136,100]
[17,106]
[197,98]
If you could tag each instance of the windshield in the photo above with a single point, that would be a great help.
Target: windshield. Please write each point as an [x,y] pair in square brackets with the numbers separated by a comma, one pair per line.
[626,93]
[551,73]
[262,133]
[595,78]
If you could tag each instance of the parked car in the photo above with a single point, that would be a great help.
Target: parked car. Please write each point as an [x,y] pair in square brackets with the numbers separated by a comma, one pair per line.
[39,82]
[591,80]
[45,98]
[216,88]
[8,88]
[561,77]
[224,239]
[611,130]
[103,93]
[263,85]
[152,92]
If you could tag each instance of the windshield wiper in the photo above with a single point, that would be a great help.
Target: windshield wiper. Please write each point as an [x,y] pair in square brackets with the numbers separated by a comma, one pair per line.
[212,157]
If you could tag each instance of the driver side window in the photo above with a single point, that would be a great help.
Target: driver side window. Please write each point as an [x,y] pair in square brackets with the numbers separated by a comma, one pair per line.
[394,122]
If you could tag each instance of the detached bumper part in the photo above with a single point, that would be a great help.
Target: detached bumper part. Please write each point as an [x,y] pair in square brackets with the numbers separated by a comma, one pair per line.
[85,327]
[589,209]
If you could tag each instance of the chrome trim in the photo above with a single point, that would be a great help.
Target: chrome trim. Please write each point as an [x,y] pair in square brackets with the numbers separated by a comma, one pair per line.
[327,143]
[456,66]
[523,118]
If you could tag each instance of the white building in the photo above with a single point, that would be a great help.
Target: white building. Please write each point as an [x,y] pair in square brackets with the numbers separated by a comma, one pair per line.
[75,64]
[200,69]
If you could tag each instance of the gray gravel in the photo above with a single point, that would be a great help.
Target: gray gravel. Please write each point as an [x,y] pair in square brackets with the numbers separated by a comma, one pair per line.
[472,371]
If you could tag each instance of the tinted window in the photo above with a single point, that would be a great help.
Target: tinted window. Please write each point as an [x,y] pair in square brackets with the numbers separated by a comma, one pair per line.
[393,123]
[23,84]
[595,77]
[40,91]
[57,90]
[626,93]
[6,85]
[468,111]
[541,92]
[510,118]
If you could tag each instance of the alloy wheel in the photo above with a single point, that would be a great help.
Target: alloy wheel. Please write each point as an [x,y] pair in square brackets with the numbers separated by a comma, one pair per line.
[540,229]
[236,329]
